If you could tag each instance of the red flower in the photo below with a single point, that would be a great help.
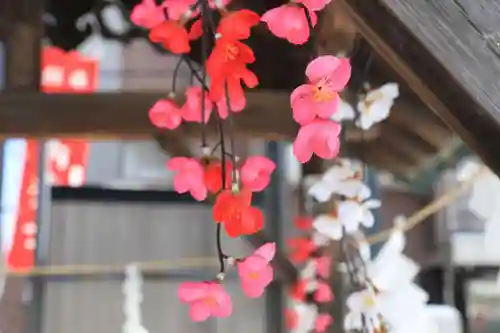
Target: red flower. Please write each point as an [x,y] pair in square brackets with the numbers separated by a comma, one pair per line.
[235,90]
[298,290]
[172,35]
[227,64]
[213,176]
[303,223]
[196,30]
[234,211]
[227,56]
[291,319]
[237,25]
[301,249]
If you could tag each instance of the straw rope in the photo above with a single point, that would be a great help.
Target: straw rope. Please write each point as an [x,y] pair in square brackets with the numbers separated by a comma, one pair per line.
[431,208]
[164,265]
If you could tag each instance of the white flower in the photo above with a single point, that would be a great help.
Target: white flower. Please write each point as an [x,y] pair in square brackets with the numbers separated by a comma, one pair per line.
[352,188]
[308,274]
[364,310]
[331,226]
[376,105]
[344,179]
[358,209]
[320,239]
[398,300]
[344,112]
[306,315]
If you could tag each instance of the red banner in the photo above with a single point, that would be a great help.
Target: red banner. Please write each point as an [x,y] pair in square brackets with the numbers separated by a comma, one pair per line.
[67,158]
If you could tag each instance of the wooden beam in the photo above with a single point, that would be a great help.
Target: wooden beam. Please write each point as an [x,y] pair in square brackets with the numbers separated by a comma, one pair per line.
[125,115]
[407,142]
[399,146]
[378,156]
[447,51]
[336,33]
[417,120]
[173,143]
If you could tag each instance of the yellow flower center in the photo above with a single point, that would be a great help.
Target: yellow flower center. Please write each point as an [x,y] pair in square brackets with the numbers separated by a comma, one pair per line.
[210,300]
[368,301]
[322,93]
[231,52]
[368,102]
[253,275]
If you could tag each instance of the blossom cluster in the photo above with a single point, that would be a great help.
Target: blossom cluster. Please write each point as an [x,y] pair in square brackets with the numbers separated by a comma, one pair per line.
[210,299]
[387,299]
[221,77]
[313,288]
[342,185]
[353,205]
[371,107]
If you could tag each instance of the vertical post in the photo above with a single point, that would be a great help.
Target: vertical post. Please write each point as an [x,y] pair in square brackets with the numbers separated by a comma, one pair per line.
[22,36]
[276,220]
[370,178]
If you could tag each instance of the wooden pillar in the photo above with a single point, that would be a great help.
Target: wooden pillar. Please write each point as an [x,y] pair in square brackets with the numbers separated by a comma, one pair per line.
[277,221]
[21,31]
[22,36]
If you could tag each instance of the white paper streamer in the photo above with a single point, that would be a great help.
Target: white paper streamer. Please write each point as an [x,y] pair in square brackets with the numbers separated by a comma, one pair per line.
[132,299]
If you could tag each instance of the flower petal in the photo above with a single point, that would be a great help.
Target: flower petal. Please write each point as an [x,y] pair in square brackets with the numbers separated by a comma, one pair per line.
[191,291]
[303,104]
[199,311]
[337,69]
[266,251]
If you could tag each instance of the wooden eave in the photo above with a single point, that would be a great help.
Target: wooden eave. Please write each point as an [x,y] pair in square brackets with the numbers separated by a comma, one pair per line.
[448,52]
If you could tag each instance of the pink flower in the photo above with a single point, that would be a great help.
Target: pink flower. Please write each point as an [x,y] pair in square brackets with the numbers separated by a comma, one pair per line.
[205,299]
[147,14]
[319,137]
[256,173]
[237,103]
[328,75]
[323,293]
[191,110]
[255,272]
[323,320]
[289,22]
[189,177]
[165,114]
[314,4]
[323,266]
[177,8]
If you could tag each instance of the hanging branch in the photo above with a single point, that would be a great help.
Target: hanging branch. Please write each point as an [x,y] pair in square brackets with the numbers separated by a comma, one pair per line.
[231,182]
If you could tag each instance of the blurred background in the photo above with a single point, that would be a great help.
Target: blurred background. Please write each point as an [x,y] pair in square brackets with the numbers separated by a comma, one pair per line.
[91,208]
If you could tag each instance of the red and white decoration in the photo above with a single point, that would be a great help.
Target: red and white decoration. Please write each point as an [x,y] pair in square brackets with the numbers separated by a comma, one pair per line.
[62,72]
